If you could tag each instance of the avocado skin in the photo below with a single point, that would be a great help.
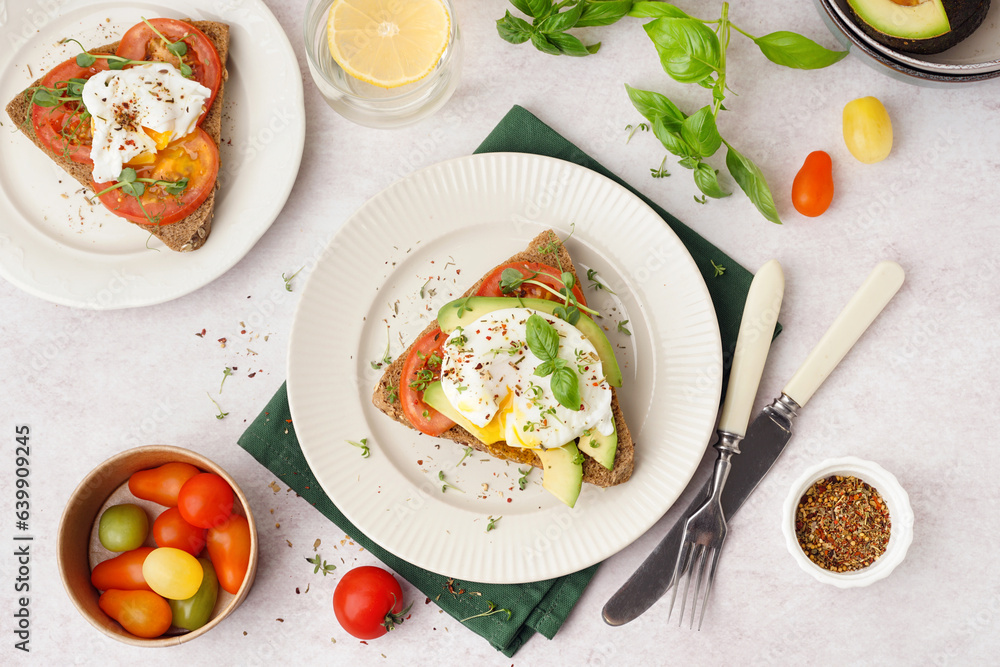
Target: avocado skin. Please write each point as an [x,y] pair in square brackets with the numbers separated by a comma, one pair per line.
[964,15]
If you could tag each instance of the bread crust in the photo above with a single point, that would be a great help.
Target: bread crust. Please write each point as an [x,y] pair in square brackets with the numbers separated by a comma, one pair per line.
[188,233]
[593,472]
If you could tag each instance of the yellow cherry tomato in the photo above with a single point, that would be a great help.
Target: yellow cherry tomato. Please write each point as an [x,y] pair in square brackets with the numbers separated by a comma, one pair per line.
[172,573]
[867,130]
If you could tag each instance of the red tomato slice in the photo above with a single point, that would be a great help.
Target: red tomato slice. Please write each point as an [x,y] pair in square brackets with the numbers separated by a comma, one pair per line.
[60,129]
[141,43]
[418,371]
[194,157]
[545,274]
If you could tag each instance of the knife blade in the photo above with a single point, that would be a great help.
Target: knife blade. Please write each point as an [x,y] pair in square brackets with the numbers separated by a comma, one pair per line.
[765,440]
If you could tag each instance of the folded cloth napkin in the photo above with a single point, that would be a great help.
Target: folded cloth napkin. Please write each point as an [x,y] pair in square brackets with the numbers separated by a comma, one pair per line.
[540,606]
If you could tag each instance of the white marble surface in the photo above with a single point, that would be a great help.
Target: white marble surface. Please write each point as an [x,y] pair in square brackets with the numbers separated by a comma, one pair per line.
[918,393]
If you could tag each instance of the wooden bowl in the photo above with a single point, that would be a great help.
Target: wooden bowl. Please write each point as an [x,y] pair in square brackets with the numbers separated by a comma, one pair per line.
[79,549]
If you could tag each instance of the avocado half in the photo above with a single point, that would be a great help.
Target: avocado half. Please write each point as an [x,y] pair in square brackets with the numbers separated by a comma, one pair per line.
[918,26]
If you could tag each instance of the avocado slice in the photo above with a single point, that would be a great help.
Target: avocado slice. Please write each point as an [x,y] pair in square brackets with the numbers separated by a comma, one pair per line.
[434,397]
[562,472]
[599,447]
[918,26]
[469,309]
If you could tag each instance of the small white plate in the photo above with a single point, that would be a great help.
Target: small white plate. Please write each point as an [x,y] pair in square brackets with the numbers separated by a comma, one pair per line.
[900,514]
[439,230]
[56,246]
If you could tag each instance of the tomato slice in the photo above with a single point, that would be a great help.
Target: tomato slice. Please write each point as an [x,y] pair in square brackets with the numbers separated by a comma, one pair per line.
[141,43]
[64,129]
[540,272]
[419,370]
[194,157]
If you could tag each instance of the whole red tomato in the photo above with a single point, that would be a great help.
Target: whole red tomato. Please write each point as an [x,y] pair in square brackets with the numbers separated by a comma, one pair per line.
[368,602]
[205,500]
[812,189]
[171,530]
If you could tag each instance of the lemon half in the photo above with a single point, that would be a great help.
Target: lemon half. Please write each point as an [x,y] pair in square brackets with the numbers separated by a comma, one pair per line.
[388,43]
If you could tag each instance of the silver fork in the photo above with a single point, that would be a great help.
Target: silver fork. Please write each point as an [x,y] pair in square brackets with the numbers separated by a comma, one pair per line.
[705,530]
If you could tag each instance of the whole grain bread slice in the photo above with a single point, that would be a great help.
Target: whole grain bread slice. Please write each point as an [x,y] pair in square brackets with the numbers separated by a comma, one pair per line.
[543,249]
[184,235]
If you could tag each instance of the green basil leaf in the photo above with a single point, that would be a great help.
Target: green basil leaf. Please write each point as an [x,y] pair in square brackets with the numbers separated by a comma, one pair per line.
[671,139]
[593,48]
[545,368]
[568,44]
[542,338]
[513,29]
[522,6]
[700,132]
[690,162]
[603,12]
[566,388]
[793,50]
[656,10]
[543,44]
[707,180]
[561,21]
[654,105]
[538,9]
[751,180]
[689,50]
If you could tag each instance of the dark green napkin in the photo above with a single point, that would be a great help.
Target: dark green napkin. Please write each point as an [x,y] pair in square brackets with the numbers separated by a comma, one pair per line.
[535,607]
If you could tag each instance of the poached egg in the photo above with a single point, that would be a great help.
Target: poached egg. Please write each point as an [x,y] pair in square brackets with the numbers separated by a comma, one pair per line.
[487,374]
[138,111]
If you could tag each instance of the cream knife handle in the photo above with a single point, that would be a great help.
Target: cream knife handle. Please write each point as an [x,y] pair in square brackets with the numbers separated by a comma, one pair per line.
[881,285]
[760,314]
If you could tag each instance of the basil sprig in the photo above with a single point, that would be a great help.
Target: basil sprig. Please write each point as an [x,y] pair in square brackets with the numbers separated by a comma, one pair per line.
[543,342]
[550,21]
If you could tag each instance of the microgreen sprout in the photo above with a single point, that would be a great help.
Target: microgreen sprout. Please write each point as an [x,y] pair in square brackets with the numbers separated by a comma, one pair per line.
[701,200]
[392,394]
[226,372]
[386,359]
[632,129]
[490,610]
[135,186]
[660,172]
[597,284]
[178,48]
[467,454]
[522,481]
[424,287]
[717,269]
[288,280]
[491,524]
[321,565]
[362,445]
[445,486]
[221,415]
[624,329]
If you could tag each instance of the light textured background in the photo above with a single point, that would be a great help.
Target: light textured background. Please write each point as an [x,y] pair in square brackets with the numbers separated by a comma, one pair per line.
[917,394]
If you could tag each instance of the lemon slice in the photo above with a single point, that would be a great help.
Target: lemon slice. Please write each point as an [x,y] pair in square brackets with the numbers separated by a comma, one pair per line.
[388,43]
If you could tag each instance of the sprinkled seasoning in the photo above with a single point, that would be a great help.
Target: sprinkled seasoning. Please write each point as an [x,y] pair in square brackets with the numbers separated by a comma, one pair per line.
[842,524]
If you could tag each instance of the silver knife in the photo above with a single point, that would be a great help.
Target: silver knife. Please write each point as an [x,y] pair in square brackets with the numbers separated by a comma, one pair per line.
[765,439]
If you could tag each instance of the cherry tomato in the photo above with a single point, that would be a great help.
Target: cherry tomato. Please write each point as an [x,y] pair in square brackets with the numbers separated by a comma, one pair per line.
[194,157]
[205,500]
[171,530]
[812,189]
[368,602]
[161,485]
[172,573]
[122,572]
[123,527]
[141,43]
[143,613]
[535,271]
[195,611]
[423,366]
[229,549]
[61,128]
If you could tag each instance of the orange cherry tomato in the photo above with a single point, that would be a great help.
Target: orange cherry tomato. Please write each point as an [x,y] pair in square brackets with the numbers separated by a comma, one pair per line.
[161,485]
[229,549]
[171,530]
[205,500]
[143,613]
[812,189]
[122,572]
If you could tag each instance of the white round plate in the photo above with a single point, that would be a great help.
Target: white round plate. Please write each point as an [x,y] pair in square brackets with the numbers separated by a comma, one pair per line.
[425,240]
[54,245]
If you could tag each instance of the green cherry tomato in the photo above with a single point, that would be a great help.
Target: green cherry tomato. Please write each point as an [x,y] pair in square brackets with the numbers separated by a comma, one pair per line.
[123,527]
[195,611]
[172,573]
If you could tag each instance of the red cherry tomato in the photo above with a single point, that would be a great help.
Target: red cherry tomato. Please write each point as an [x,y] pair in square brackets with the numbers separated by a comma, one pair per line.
[161,485]
[229,549]
[423,366]
[62,129]
[812,189]
[143,613]
[537,272]
[122,572]
[205,500]
[368,602]
[171,530]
